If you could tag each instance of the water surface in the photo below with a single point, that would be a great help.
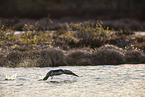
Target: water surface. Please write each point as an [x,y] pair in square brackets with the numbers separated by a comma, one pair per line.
[96,81]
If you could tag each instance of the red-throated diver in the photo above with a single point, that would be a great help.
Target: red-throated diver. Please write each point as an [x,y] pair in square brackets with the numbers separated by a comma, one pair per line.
[58,72]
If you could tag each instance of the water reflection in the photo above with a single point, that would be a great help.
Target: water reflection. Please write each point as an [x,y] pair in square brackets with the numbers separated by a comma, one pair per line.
[61,82]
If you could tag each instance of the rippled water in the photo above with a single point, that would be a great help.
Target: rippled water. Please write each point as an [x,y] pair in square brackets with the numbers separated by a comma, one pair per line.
[96,81]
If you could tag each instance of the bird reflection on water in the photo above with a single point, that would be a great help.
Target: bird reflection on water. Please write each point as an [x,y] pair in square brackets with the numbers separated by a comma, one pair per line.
[61,82]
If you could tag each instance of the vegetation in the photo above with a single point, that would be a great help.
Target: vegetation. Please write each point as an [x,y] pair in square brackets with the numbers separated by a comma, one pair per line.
[75,44]
[24,41]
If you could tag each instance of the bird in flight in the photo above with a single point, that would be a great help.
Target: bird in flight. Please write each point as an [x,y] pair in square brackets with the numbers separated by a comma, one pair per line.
[52,73]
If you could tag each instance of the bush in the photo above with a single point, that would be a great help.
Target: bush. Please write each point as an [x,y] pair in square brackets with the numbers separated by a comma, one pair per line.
[78,57]
[31,59]
[90,42]
[120,41]
[108,47]
[108,55]
[134,56]
[28,63]
[13,59]
[89,34]
[52,58]
[1,59]
[88,29]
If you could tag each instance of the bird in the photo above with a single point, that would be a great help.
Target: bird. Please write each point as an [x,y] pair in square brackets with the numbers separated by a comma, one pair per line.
[52,73]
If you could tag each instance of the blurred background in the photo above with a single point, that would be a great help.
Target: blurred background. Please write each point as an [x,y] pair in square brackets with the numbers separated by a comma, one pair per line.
[102,9]
[115,14]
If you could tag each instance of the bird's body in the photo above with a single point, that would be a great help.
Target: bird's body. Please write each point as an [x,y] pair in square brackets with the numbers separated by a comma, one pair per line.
[52,73]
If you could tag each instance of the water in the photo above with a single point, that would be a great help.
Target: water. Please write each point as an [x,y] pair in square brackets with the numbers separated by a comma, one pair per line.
[96,81]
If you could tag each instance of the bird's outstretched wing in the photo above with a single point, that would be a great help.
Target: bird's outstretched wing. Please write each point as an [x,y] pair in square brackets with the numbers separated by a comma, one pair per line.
[69,72]
[47,75]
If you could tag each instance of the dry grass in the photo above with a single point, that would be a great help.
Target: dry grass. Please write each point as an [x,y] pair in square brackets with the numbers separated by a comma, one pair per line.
[108,54]
[28,63]
[135,56]
[31,59]
[78,57]
[108,47]
[52,57]
[12,59]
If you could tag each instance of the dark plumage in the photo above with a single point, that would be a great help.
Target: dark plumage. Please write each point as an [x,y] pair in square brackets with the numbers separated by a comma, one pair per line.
[58,72]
